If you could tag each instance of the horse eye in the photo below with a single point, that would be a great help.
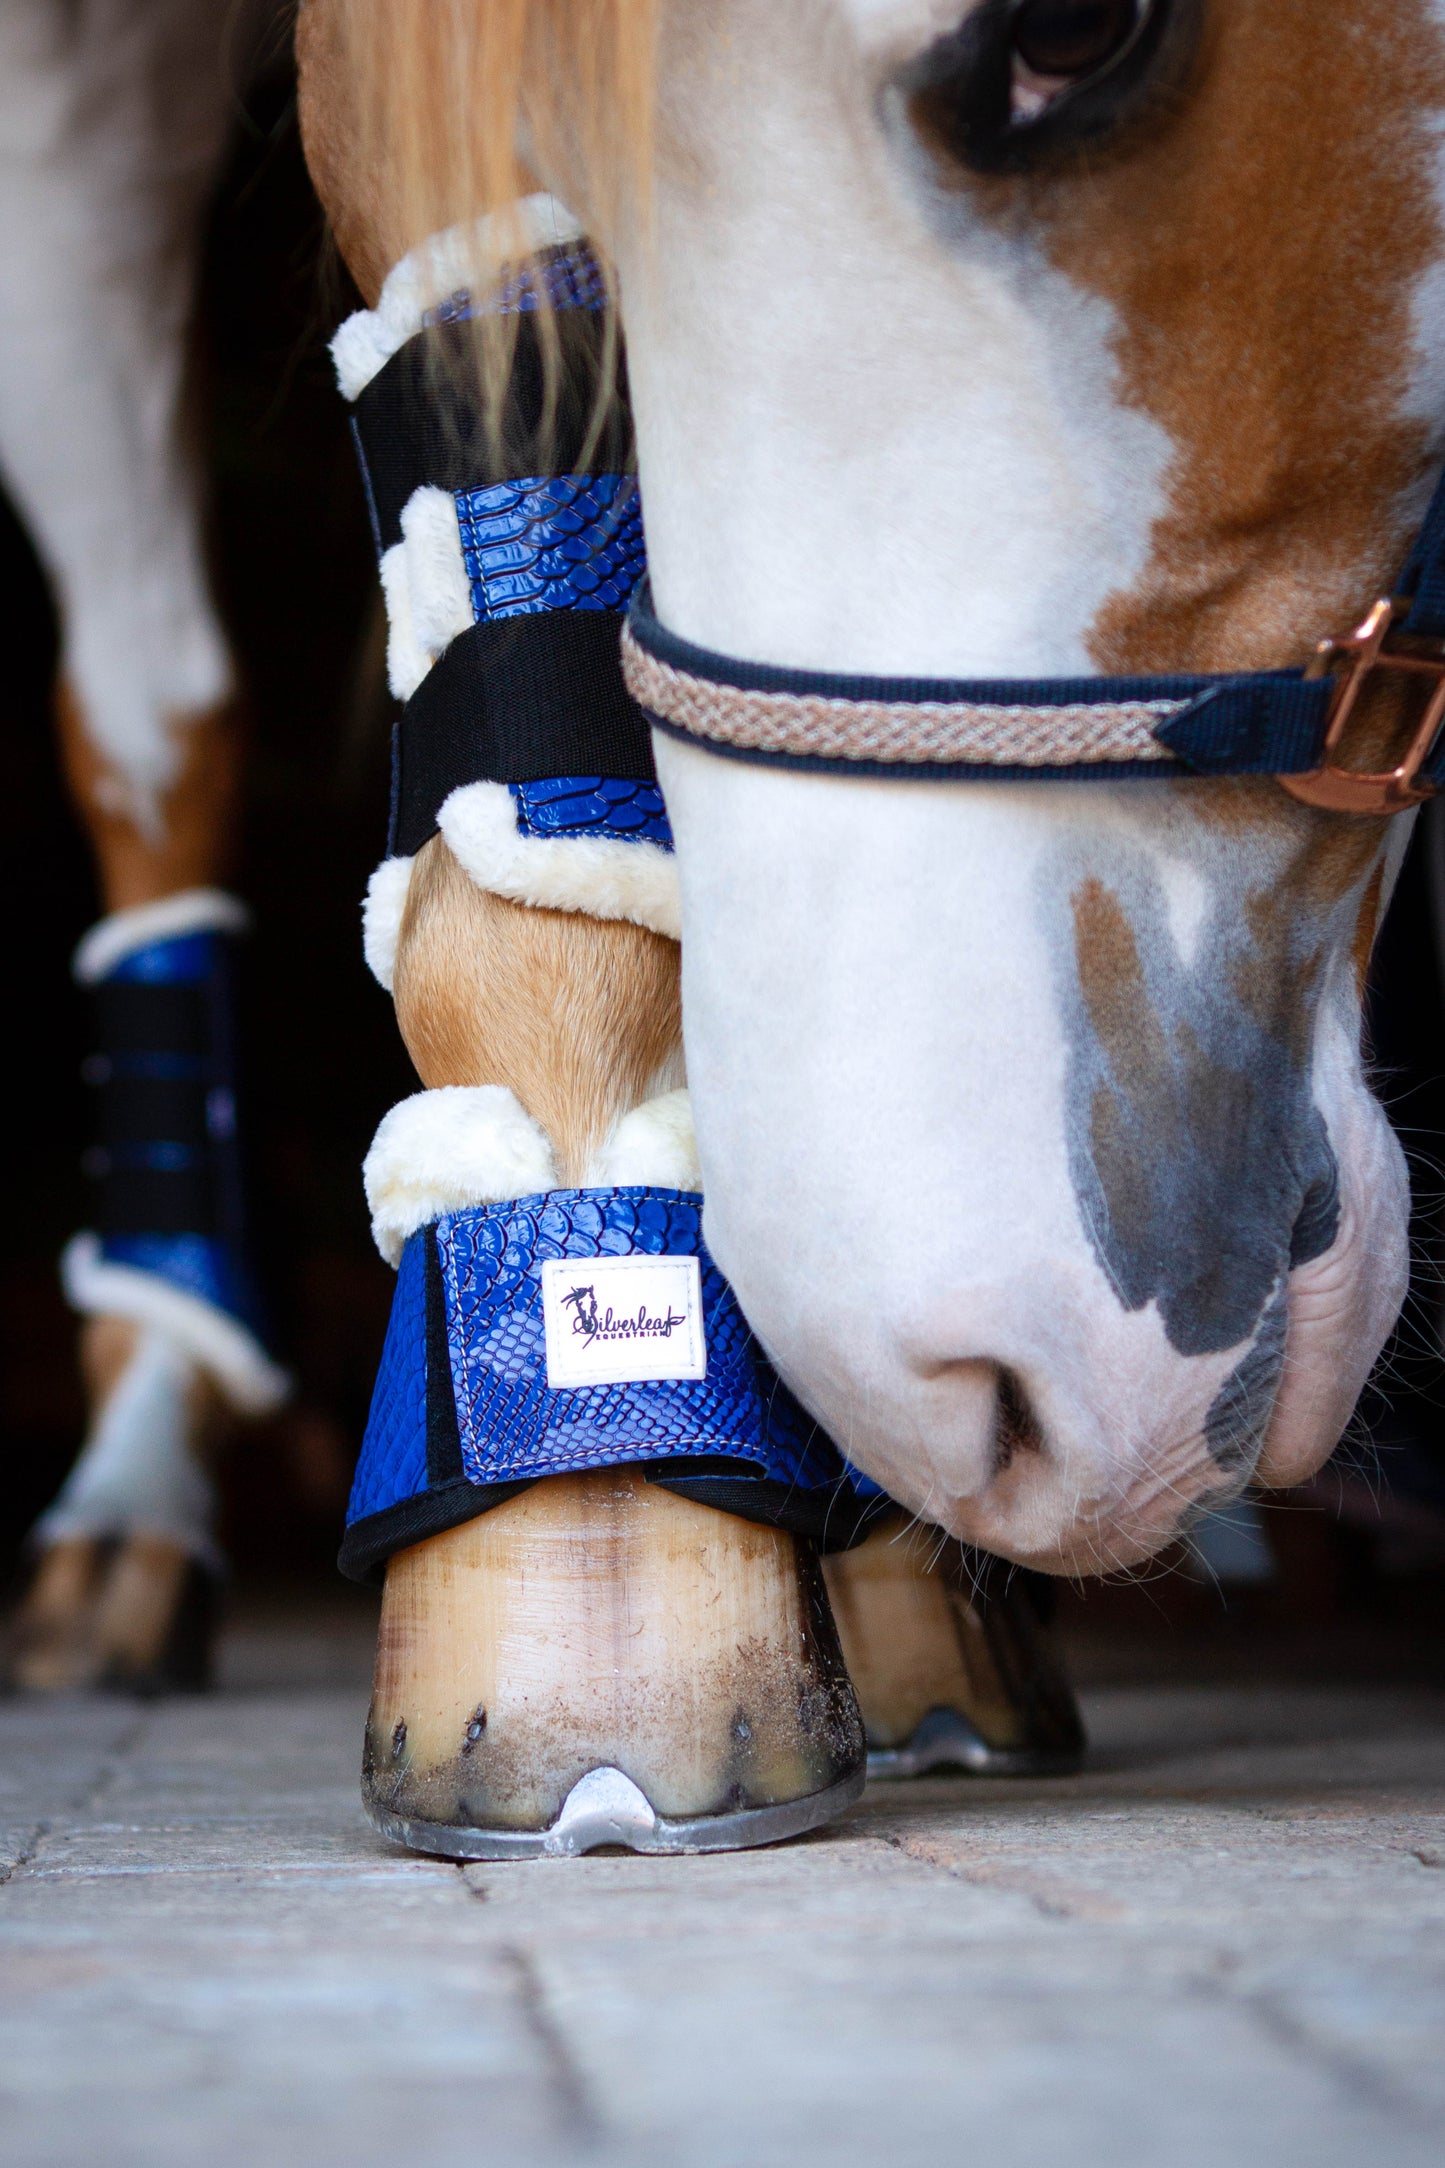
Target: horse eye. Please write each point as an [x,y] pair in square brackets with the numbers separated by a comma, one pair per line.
[1023,85]
[1063,39]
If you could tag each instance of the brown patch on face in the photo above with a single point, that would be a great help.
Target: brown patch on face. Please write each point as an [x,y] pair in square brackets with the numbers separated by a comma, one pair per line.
[1290,919]
[1201,1165]
[1141,1061]
[1270,983]
[1292,925]
[1262,247]
[1367,925]
[1111,980]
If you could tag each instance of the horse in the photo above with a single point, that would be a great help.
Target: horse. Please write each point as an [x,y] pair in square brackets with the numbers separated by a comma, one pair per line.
[119,112]
[116,113]
[1029,396]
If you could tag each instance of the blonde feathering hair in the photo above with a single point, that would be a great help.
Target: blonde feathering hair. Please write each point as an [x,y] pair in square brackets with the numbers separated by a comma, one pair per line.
[423,115]
[462,103]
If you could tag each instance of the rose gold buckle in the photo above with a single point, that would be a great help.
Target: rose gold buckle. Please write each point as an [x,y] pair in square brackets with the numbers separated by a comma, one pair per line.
[1374,645]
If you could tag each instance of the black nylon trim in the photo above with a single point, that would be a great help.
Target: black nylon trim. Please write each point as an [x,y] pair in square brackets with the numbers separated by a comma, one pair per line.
[418,421]
[368,1544]
[516,700]
[443,1438]
[835,1519]
[711,668]
[1267,723]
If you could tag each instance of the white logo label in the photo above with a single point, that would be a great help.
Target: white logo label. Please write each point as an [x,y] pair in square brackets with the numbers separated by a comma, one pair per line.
[622,1320]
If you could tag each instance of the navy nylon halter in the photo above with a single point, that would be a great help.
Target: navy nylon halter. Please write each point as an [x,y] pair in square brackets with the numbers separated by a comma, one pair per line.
[1282,723]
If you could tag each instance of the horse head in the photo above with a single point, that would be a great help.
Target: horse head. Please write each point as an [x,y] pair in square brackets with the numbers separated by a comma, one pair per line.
[1041,339]
[1089,347]
[582,1301]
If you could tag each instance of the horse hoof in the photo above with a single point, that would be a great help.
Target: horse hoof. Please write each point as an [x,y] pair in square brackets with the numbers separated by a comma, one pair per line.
[135,1615]
[598,1662]
[952,1663]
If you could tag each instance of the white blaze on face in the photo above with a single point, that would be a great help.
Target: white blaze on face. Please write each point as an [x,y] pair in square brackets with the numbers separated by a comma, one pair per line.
[880,435]
[874,434]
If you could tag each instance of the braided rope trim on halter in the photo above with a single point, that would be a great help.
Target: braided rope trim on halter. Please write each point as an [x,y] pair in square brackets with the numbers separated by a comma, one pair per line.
[896,730]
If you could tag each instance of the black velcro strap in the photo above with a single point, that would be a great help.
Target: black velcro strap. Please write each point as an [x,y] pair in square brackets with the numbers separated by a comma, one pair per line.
[443,1436]
[420,419]
[156,1200]
[151,1109]
[135,1016]
[159,1166]
[516,700]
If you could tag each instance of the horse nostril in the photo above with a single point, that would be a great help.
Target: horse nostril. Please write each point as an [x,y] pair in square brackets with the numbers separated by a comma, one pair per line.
[1318,1222]
[1016,1427]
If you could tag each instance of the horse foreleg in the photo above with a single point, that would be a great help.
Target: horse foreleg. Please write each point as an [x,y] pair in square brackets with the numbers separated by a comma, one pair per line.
[171,1343]
[114,121]
[122,1590]
[603,1618]
[588,1657]
[953,1664]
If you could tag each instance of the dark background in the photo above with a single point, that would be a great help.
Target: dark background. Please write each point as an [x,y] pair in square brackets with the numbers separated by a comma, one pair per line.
[1361,1553]
[296,579]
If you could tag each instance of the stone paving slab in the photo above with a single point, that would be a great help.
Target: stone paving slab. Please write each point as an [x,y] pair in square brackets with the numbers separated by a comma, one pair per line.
[1223,1943]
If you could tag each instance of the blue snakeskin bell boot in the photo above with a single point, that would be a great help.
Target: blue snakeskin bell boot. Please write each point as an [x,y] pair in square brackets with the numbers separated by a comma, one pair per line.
[466,1411]
[570,1391]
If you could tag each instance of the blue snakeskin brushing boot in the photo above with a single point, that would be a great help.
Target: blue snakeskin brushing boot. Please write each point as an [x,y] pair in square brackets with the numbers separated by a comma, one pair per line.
[170,1245]
[167,1254]
[595,1509]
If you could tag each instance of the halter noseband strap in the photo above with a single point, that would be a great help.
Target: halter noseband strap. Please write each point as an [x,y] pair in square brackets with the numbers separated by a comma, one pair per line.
[1284,723]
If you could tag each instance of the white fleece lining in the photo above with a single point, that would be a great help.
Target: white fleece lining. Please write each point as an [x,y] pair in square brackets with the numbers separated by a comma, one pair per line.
[233,1357]
[460,258]
[654,1146]
[460,1146]
[599,875]
[436,571]
[195,910]
[428,594]
[445,1150]
[381,916]
[407,661]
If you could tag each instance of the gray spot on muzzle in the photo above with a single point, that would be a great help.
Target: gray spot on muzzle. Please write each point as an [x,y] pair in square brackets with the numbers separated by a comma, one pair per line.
[1202,1168]
[1235,1425]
